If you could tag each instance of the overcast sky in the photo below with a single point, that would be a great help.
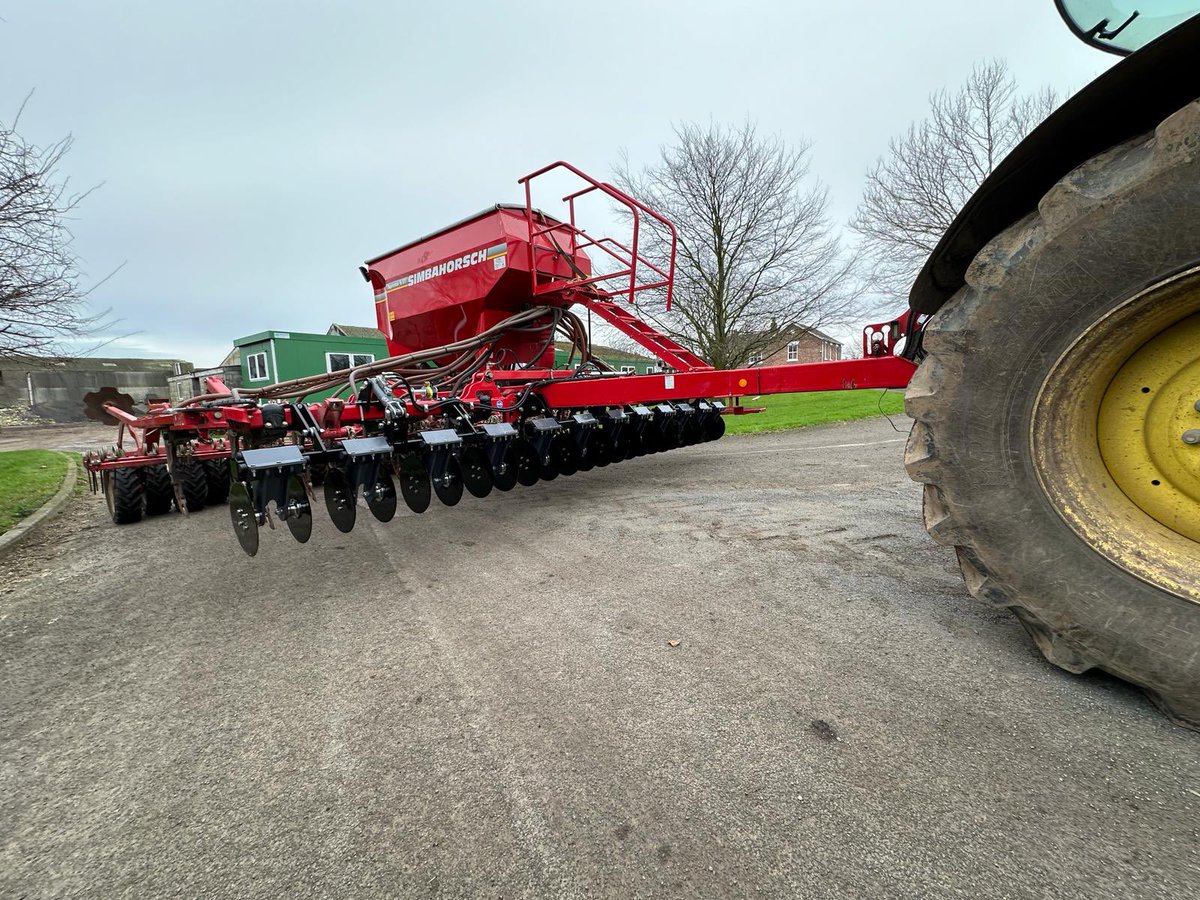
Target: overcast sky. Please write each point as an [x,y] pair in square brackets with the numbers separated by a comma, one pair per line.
[253,154]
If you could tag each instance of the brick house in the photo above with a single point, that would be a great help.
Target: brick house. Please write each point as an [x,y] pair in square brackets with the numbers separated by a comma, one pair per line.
[798,344]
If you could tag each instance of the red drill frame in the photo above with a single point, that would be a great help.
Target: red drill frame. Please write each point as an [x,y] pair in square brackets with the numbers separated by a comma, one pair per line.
[469,313]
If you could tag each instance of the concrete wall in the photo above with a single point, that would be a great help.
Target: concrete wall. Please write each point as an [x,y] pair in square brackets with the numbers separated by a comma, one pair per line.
[55,389]
[192,384]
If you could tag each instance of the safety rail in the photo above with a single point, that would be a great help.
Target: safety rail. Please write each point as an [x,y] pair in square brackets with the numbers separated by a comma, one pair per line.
[629,261]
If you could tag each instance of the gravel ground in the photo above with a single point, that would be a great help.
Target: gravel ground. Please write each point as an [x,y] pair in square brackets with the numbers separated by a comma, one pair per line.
[482,701]
[79,437]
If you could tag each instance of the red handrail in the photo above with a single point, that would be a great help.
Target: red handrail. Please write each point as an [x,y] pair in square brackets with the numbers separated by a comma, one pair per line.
[633,205]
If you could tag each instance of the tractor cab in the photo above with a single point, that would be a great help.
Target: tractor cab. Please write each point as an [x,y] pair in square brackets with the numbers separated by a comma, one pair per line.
[1122,26]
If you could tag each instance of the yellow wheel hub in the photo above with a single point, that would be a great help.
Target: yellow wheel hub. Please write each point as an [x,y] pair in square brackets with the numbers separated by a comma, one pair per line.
[1149,428]
[1107,435]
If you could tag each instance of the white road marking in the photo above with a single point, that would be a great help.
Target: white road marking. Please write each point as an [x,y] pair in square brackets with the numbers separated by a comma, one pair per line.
[817,447]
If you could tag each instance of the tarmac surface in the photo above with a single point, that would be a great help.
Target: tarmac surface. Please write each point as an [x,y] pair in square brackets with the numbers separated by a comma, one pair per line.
[483,701]
[78,437]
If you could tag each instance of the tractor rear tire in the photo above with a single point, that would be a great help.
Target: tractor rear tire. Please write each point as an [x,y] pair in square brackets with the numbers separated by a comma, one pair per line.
[217,476]
[1010,415]
[193,481]
[124,495]
[160,493]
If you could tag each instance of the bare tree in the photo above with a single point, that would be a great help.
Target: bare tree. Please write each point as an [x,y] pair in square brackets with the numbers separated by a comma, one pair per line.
[41,301]
[757,253]
[916,190]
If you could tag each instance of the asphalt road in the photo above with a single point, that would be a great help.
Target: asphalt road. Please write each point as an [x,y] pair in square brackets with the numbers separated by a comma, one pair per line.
[482,701]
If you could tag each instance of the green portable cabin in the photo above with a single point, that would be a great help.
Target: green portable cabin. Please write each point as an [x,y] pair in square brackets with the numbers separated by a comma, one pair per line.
[273,356]
[621,360]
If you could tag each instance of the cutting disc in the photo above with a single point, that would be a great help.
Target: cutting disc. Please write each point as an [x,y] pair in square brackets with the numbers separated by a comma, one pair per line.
[450,488]
[414,483]
[339,500]
[523,462]
[476,472]
[381,498]
[241,513]
[299,518]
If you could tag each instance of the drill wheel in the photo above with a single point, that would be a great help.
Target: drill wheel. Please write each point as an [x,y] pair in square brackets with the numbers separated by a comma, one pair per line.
[193,483]
[124,494]
[160,493]
[218,479]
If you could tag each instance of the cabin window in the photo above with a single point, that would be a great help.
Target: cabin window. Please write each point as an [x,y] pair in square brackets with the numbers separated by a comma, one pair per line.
[256,367]
[336,362]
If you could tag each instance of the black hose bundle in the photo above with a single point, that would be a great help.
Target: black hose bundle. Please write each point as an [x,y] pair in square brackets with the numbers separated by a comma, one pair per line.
[474,354]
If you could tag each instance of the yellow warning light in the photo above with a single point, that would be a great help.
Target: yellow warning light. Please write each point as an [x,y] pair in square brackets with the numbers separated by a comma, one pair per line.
[742,382]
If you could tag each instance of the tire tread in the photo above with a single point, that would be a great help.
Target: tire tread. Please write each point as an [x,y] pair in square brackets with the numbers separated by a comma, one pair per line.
[931,451]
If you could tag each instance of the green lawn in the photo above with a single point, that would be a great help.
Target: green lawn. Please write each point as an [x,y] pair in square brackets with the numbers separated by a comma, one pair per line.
[786,411]
[28,478]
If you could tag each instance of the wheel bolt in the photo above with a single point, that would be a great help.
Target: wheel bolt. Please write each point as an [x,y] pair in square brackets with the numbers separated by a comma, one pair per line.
[1192,436]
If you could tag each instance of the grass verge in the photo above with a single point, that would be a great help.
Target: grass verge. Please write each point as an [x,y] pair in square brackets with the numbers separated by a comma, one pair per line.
[786,411]
[28,478]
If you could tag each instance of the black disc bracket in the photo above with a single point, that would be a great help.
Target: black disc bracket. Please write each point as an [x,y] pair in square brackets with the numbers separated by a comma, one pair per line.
[497,436]
[265,473]
[582,426]
[541,432]
[638,417]
[440,446]
[363,458]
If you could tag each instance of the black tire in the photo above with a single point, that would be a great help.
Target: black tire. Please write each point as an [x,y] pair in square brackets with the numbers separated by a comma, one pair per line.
[216,474]
[194,482]
[124,495]
[160,494]
[1117,225]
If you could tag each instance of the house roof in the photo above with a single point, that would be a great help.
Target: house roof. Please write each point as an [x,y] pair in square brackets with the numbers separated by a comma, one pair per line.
[358,331]
[819,334]
[790,331]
